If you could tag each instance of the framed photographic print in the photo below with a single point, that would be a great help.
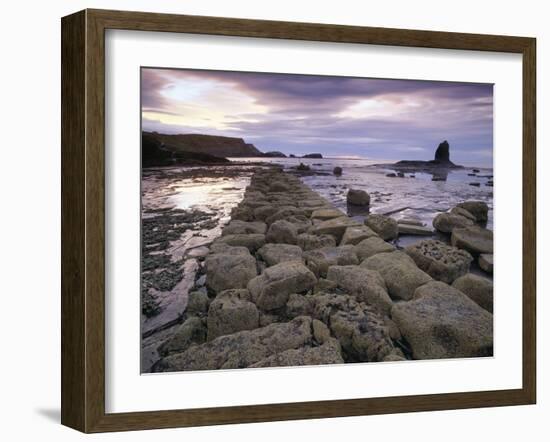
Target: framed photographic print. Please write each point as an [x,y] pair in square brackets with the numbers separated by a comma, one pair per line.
[270,220]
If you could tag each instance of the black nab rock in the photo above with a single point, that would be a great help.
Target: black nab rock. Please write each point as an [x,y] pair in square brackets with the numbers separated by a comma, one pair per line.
[442,153]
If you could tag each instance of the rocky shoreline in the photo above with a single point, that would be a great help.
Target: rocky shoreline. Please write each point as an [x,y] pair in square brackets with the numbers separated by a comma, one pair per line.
[294,281]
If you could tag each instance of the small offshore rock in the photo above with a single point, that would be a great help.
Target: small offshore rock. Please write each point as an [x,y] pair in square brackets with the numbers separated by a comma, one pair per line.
[337,171]
[356,197]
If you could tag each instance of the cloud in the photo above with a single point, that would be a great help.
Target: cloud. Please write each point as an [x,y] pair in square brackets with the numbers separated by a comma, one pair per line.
[377,118]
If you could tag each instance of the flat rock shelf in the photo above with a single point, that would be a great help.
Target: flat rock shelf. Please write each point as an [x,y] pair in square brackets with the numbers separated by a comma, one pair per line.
[292,280]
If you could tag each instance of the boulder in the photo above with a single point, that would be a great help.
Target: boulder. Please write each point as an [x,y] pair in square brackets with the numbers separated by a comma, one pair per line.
[197,303]
[442,322]
[474,239]
[360,329]
[366,285]
[240,227]
[284,212]
[282,232]
[279,186]
[463,212]
[384,226]
[321,332]
[324,286]
[229,271]
[191,332]
[241,349]
[335,227]
[477,288]
[301,222]
[263,212]
[400,273]
[354,235]
[440,261]
[310,242]
[231,311]
[328,353]
[319,260]
[356,197]
[478,209]
[272,288]
[409,229]
[273,254]
[299,305]
[324,214]
[485,262]
[372,246]
[337,171]
[251,241]
[447,222]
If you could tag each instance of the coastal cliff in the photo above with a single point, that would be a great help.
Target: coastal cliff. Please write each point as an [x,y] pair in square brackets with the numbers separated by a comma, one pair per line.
[217,146]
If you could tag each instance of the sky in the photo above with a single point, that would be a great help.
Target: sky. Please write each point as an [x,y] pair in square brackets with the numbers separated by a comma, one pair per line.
[335,116]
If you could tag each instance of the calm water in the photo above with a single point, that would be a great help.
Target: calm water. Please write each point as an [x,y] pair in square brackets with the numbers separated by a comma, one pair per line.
[420,197]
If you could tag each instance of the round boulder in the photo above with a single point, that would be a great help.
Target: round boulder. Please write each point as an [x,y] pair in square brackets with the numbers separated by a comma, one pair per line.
[282,232]
[478,209]
[357,197]
[477,288]
[447,222]
[384,226]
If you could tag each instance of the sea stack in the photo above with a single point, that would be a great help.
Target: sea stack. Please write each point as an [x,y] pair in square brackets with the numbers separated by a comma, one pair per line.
[442,153]
[442,160]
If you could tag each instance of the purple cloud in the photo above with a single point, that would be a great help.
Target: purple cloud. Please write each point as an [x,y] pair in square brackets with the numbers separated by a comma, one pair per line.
[377,118]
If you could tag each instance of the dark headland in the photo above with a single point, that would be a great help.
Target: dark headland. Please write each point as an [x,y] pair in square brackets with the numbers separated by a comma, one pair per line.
[186,149]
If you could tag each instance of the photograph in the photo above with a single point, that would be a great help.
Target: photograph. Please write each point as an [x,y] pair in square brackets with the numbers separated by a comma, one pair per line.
[292,220]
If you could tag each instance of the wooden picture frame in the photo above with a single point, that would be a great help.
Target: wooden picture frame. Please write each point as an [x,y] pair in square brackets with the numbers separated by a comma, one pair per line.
[83,220]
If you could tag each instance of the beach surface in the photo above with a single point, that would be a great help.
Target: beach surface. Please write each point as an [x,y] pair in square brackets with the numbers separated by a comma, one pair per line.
[185,210]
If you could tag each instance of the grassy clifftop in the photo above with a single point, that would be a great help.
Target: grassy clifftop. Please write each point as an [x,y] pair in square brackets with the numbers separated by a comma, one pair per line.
[206,144]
